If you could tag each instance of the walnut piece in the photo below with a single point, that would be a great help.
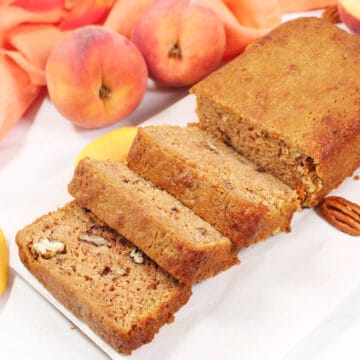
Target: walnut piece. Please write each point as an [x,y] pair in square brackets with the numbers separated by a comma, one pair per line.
[97,240]
[342,213]
[137,256]
[120,272]
[47,248]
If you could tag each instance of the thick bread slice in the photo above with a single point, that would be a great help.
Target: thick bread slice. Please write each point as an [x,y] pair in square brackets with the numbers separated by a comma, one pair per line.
[183,244]
[219,185]
[102,278]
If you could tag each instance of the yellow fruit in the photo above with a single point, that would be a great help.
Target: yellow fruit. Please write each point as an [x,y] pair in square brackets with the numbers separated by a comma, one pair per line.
[114,146]
[4,263]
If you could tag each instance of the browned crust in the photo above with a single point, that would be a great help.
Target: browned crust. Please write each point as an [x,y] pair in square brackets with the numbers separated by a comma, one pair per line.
[81,306]
[123,211]
[242,221]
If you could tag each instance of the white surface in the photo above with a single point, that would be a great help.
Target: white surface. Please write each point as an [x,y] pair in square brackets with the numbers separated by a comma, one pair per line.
[295,296]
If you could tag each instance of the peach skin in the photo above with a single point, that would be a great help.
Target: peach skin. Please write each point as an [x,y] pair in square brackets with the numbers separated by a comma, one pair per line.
[95,77]
[182,42]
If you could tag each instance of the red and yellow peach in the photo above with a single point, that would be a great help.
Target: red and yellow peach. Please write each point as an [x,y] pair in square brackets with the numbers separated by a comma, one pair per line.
[95,77]
[181,41]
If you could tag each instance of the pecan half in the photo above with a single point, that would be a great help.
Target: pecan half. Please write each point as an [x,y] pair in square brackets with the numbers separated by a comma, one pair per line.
[342,213]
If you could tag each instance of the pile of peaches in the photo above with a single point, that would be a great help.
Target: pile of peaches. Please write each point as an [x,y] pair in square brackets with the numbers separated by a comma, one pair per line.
[96,77]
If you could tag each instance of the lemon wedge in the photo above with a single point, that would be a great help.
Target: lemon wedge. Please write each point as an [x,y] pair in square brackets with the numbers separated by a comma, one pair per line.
[4,263]
[114,145]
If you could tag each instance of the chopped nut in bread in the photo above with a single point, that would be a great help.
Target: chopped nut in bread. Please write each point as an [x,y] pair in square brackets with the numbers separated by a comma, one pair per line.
[93,239]
[47,248]
[137,256]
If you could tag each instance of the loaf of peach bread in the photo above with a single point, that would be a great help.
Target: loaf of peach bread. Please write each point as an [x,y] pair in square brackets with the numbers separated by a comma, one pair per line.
[291,104]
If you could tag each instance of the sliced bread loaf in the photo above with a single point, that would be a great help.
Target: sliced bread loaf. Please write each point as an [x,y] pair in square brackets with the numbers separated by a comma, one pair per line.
[182,243]
[218,184]
[290,103]
[102,278]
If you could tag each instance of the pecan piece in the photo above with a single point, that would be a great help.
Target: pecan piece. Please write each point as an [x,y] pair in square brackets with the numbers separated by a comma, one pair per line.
[342,213]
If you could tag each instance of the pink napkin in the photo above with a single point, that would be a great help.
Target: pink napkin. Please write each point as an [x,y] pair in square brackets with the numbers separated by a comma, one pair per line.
[29,29]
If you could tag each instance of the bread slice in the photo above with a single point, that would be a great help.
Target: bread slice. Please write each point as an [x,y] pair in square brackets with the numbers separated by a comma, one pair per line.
[219,185]
[102,278]
[290,103]
[183,244]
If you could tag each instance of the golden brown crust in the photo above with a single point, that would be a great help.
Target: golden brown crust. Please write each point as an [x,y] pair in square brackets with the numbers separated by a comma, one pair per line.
[288,87]
[153,220]
[209,192]
[89,302]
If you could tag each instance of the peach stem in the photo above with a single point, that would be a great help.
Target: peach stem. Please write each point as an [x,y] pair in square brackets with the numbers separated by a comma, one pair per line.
[175,51]
[104,92]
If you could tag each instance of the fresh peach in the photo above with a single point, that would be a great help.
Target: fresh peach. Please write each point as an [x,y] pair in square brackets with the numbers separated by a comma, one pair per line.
[349,11]
[181,41]
[95,77]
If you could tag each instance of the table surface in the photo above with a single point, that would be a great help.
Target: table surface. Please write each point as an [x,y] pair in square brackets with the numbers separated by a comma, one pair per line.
[29,325]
